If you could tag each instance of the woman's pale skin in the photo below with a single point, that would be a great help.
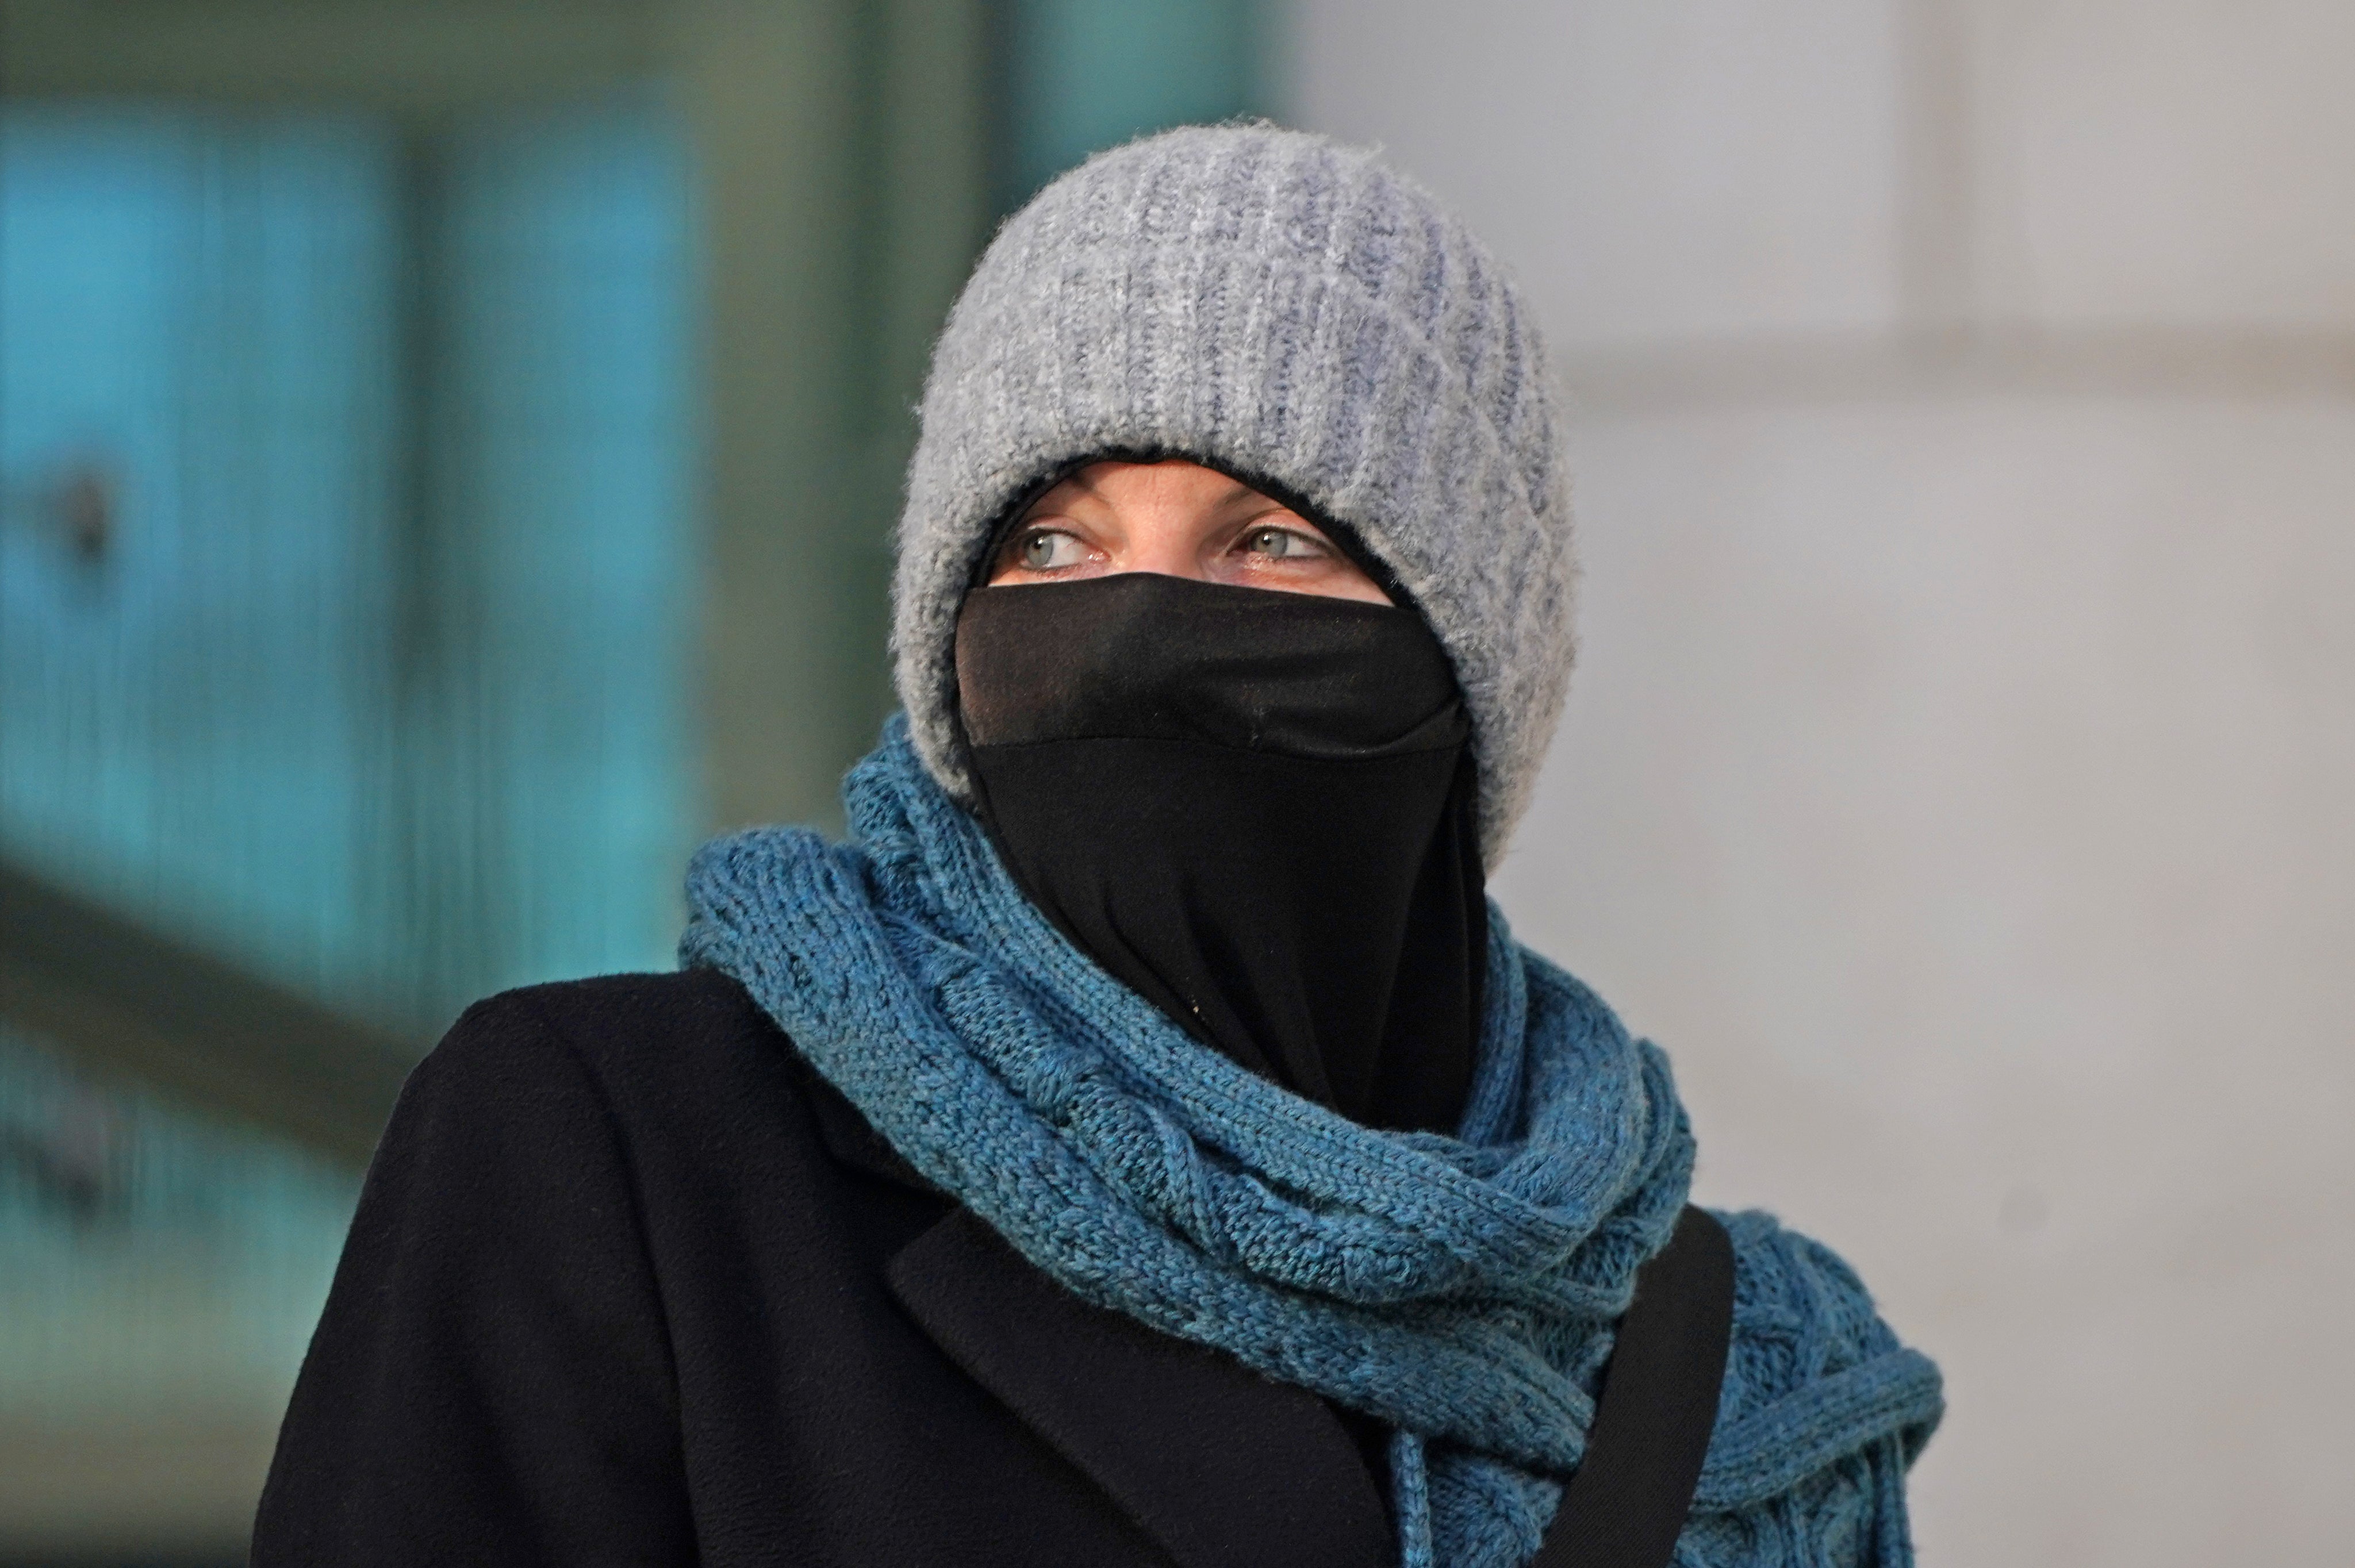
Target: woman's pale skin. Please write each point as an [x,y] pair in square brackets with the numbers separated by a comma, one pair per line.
[1181,520]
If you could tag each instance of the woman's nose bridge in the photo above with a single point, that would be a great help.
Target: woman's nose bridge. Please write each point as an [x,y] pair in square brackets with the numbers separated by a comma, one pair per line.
[1165,535]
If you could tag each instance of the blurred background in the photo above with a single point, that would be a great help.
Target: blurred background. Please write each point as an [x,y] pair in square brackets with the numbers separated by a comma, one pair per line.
[447,458]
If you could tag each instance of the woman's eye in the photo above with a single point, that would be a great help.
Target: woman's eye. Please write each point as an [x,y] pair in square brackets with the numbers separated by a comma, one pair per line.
[1045,550]
[1281,544]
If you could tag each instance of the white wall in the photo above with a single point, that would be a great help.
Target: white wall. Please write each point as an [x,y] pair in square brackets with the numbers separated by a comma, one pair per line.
[1959,773]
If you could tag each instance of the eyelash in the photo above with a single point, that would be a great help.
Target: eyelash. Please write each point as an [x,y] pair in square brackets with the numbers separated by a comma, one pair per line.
[1300,545]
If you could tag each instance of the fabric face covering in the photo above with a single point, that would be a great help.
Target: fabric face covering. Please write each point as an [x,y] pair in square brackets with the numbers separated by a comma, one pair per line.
[1255,809]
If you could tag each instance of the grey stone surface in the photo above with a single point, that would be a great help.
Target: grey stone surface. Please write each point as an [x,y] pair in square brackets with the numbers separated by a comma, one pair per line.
[1955,778]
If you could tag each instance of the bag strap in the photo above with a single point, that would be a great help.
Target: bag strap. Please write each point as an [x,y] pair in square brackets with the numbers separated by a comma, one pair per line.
[1627,1503]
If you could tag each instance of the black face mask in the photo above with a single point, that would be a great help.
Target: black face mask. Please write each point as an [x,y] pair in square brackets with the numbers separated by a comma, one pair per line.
[1257,810]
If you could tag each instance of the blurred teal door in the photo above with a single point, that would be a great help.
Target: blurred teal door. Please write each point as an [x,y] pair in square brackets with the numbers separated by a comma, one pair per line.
[347,540]
[342,585]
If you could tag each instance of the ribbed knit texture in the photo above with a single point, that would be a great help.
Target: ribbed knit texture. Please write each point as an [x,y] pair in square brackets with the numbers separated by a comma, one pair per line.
[1462,1289]
[1288,308]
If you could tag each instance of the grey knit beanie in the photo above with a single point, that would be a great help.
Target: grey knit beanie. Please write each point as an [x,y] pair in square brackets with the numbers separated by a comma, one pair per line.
[1287,309]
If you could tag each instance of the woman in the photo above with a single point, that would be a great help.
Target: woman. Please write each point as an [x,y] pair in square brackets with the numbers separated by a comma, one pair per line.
[1141,1142]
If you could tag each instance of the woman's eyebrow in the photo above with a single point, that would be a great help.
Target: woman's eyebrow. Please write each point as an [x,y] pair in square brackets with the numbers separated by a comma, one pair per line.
[1055,494]
[1244,492]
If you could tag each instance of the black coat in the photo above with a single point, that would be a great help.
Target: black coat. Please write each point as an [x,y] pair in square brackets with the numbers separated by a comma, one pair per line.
[629,1284]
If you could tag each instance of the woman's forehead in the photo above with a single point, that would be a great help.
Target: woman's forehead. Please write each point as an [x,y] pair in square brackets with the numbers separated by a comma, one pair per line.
[1118,481]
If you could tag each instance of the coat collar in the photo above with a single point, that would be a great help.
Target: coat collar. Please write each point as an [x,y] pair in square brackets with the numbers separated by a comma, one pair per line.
[852,1139]
[1221,1466]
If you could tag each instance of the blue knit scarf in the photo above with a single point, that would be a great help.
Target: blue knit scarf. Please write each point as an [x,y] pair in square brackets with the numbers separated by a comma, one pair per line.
[1461,1290]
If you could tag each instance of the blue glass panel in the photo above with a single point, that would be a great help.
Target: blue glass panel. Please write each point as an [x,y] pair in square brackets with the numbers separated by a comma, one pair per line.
[564,493]
[194,428]
[344,577]
[345,573]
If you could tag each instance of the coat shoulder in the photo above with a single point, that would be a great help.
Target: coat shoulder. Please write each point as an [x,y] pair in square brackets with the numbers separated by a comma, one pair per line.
[626,1031]
[618,1011]
[683,1064]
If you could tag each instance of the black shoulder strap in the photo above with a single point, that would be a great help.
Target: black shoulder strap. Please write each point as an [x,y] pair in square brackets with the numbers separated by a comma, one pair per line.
[1627,1503]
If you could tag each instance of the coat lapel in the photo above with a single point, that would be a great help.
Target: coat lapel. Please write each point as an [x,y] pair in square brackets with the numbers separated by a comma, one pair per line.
[1223,1468]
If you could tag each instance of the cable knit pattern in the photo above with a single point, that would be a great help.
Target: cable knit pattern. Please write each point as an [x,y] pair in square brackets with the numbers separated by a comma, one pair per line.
[1286,308]
[1462,1289]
